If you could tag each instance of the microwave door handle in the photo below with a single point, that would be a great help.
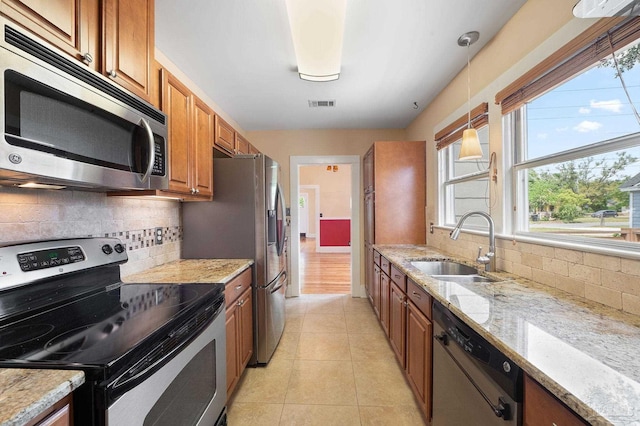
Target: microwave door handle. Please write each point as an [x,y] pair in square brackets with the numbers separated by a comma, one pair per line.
[152,149]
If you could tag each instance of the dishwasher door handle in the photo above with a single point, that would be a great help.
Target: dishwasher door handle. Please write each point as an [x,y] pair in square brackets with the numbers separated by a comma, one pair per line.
[502,409]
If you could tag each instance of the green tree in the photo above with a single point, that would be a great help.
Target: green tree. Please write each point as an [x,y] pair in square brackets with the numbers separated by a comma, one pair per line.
[627,59]
[568,205]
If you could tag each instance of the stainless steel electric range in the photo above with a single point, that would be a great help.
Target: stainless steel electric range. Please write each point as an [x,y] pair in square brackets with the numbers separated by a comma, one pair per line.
[152,354]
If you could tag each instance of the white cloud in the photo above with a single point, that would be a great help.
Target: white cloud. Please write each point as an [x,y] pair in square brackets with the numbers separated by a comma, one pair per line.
[587,126]
[584,110]
[543,136]
[613,105]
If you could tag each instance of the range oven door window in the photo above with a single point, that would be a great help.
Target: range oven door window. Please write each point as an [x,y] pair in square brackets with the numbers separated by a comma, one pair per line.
[188,396]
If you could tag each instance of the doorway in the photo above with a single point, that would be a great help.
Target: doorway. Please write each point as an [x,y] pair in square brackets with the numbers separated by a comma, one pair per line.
[353,217]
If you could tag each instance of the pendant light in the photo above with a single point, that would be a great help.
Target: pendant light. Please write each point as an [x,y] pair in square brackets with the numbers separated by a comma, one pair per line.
[470,148]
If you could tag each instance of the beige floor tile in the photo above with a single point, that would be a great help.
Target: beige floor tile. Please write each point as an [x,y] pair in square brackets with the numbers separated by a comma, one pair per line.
[293,322]
[265,384]
[381,383]
[399,415]
[363,323]
[288,346]
[325,305]
[370,347]
[324,346]
[295,305]
[324,323]
[320,415]
[321,382]
[249,414]
[357,305]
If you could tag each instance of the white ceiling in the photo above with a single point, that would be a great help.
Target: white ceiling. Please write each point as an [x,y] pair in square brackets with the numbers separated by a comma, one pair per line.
[396,52]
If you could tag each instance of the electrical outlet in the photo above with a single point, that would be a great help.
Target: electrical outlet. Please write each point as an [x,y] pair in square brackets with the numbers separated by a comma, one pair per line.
[158,236]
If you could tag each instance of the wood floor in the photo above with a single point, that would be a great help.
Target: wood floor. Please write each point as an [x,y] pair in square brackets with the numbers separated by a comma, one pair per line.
[323,273]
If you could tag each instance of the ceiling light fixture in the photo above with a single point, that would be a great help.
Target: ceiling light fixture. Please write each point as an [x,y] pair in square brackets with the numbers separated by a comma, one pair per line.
[317,28]
[470,148]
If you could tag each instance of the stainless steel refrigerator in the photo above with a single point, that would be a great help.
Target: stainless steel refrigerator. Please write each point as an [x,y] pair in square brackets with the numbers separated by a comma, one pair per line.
[246,219]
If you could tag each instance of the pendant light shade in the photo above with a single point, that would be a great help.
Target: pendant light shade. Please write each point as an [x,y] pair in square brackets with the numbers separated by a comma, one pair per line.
[470,148]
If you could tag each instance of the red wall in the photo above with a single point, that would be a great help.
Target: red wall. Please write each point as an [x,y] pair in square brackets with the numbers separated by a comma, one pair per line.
[335,232]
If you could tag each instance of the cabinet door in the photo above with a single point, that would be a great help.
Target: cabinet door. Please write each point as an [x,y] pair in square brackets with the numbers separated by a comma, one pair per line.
[202,159]
[129,43]
[398,322]
[369,219]
[176,104]
[368,170]
[368,271]
[225,136]
[542,408]
[242,145]
[376,290]
[246,333]
[419,352]
[232,349]
[385,288]
[253,150]
[70,25]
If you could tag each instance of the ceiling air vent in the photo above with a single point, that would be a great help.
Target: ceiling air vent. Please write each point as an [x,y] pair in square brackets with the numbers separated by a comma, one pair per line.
[318,104]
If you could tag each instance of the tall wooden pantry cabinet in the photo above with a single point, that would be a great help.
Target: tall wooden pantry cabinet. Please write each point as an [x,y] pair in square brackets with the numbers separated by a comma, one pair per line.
[394,199]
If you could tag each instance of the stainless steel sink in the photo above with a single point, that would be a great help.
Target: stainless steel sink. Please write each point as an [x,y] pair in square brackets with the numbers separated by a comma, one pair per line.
[444,268]
[451,271]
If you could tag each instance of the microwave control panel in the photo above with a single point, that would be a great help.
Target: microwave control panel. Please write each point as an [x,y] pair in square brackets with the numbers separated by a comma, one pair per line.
[159,162]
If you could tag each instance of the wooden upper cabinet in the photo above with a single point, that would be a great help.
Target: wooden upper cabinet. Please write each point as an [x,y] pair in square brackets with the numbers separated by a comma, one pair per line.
[202,160]
[129,43]
[225,136]
[176,103]
[253,150]
[242,145]
[70,25]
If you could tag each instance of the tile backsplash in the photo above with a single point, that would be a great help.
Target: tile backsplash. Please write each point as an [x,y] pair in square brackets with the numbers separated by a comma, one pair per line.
[611,280]
[46,214]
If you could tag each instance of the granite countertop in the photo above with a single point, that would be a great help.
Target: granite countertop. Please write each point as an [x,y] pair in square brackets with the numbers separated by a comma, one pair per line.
[26,393]
[583,352]
[192,271]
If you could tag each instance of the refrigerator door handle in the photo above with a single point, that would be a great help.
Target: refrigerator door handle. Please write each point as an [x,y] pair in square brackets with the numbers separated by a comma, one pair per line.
[283,227]
[280,282]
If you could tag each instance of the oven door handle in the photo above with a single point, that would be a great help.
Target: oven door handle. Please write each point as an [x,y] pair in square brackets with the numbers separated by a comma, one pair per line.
[502,409]
[158,357]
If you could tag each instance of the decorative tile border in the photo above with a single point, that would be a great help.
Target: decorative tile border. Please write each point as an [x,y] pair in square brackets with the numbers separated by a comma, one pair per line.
[145,238]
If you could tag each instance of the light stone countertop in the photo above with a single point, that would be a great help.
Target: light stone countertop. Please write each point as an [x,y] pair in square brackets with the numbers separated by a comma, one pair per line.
[583,352]
[26,393]
[192,271]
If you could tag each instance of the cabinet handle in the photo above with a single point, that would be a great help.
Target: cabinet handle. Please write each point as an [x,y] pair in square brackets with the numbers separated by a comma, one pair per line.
[112,74]
[416,295]
[238,287]
[87,58]
[197,191]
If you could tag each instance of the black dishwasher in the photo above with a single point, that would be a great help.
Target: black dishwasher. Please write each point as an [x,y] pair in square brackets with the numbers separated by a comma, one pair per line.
[473,382]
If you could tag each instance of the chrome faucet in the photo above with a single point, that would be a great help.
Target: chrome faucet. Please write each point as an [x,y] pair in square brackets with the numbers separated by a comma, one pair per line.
[489,259]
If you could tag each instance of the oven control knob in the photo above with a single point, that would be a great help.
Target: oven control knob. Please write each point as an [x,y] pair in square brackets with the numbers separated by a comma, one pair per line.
[119,248]
[106,249]
[506,366]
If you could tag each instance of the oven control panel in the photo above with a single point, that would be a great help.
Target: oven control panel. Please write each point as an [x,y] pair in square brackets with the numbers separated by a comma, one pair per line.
[27,262]
[50,258]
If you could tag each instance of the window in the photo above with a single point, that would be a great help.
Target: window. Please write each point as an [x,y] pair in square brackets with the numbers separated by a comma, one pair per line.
[577,147]
[463,184]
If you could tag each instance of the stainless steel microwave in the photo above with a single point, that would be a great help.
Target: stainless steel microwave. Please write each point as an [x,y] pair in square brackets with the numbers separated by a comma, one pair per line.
[65,124]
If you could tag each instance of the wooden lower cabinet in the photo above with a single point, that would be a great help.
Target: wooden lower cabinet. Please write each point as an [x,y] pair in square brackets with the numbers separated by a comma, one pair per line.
[398,322]
[239,326]
[419,353]
[404,311]
[542,408]
[59,414]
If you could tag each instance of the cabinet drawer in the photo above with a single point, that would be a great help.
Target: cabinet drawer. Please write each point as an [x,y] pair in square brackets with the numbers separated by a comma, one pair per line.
[385,265]
[376,257]
[224,136]
[419,297]
[542,408]
[237,286]
[399,278]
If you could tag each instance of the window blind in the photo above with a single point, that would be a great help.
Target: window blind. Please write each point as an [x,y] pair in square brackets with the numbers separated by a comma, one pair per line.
[589,47]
